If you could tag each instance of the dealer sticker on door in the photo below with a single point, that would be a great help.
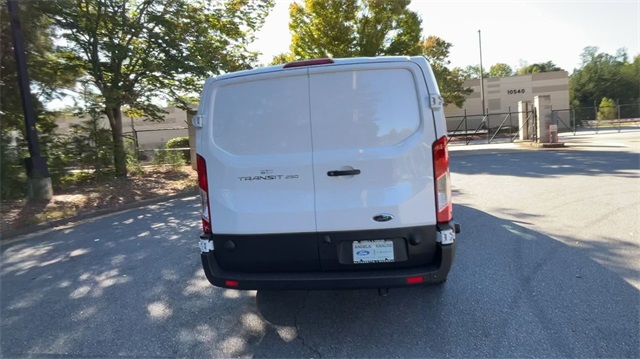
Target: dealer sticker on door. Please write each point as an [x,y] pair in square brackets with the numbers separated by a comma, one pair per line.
[378,251]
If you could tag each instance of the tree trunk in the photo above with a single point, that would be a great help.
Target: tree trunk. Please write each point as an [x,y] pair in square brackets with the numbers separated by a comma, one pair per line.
[114,114]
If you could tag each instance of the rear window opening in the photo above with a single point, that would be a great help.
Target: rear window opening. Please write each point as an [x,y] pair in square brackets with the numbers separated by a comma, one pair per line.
[365,108]
[268,116]
[331,110]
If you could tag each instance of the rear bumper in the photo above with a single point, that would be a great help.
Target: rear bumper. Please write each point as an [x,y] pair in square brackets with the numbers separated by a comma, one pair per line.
[355,279]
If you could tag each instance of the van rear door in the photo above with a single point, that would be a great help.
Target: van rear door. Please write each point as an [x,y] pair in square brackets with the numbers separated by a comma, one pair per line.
[259,165]
[372,136]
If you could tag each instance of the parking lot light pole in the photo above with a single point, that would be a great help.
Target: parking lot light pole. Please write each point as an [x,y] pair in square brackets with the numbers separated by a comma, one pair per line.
[39,181]
[481,74]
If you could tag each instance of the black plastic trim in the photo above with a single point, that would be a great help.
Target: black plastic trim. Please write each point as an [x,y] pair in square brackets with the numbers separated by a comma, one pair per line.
[324,260]
[313,251]
[324,280]
[343,173]
[413,246]
[267,252]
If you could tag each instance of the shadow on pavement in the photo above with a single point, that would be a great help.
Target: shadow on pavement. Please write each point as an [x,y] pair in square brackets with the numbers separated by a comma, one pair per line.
[550,163]
[516,293]
[132,286]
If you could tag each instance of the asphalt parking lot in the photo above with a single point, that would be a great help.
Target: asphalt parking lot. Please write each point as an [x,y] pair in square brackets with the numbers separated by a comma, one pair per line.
[547,266]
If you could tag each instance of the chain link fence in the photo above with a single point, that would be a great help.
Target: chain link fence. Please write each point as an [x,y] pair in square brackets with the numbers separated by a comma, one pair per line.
[596,118]
[488,128]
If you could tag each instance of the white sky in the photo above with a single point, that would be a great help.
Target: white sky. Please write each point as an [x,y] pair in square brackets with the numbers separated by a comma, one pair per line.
[532,31]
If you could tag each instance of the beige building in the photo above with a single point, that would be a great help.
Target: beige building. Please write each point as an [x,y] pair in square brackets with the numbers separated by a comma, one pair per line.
[502,96]
[150,134]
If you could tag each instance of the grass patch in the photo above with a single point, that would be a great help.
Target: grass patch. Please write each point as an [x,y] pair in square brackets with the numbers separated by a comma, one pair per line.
[55,214]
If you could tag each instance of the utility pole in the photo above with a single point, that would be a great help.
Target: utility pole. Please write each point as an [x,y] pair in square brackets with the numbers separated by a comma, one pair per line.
[481,75]
[39,181]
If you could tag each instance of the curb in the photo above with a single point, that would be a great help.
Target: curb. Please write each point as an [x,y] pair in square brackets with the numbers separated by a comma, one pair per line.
[10,234]
[548,145]
[515,147]
[485,149]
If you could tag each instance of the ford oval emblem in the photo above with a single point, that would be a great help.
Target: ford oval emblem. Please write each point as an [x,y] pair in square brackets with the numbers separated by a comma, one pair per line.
[383,217]
[362,253]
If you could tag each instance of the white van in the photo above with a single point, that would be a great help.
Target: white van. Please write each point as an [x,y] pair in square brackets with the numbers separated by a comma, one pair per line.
[325,174]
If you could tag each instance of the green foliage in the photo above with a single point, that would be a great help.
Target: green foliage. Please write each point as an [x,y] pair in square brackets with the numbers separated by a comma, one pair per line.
[538,68]
[631,71]
[168,157]
[87,147]
[500,70]
[603,75]
[181,142]
[79,178]
[178,142]
[13,147]
[436,50]
[49,72]
[282,58]
[473,72]
[607,109]
[133,164]
[351,28]
[13,179]
[134,52]
[450,81]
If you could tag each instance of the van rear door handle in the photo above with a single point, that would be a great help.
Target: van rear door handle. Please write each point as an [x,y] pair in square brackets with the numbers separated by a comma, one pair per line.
[343,173]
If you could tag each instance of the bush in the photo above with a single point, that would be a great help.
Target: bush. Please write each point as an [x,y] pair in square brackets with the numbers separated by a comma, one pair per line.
[178,142]
[607,109]
[86,147]
[168,157]
[181,142]
[133,164]
[13,177]
[79,178]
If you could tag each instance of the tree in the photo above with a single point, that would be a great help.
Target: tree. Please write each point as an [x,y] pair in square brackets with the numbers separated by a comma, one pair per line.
[607,109]
[282,58]
[500,70]
[351,28]
[48,76]
[631,72]
[137,52]
[538,68]
[473,72]
[450,81]
[48,71]
[603,75]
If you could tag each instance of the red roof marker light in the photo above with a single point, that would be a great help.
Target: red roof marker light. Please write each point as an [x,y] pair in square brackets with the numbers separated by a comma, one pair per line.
[313,62]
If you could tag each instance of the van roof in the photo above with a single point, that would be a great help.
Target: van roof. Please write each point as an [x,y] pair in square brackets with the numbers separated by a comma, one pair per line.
[341,61]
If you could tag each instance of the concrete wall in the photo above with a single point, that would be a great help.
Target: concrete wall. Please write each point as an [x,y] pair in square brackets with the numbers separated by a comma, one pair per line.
[502,93]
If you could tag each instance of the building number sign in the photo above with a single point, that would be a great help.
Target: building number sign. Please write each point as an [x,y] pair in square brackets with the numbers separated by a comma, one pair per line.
[516,91]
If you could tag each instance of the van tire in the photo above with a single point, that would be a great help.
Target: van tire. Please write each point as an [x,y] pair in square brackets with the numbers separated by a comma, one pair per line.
[440,282]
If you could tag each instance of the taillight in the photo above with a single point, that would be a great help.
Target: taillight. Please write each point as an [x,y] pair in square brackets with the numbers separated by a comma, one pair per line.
[442,180]
[204,194]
